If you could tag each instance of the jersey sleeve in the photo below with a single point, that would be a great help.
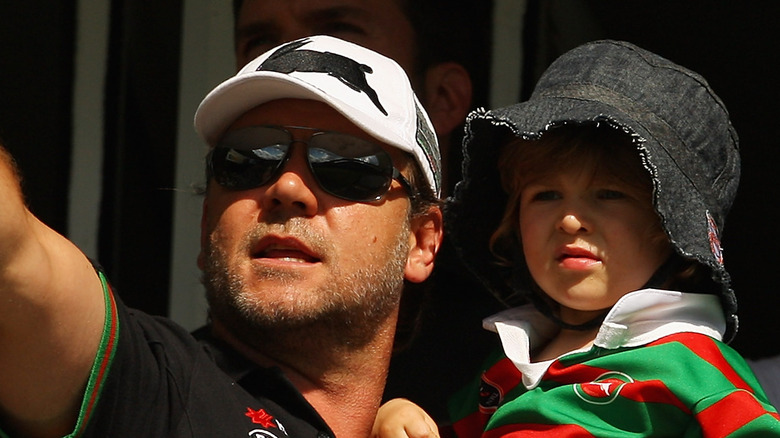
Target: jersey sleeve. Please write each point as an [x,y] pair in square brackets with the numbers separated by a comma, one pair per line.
[103,360]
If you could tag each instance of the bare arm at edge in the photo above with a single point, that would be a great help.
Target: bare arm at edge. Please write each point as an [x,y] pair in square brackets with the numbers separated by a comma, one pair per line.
[51,319]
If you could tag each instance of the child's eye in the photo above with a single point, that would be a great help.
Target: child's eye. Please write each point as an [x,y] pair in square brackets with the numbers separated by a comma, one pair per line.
[611,194]
[546,195]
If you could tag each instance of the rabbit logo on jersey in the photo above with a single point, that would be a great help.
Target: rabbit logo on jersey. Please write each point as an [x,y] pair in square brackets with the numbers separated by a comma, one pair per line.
[604,389]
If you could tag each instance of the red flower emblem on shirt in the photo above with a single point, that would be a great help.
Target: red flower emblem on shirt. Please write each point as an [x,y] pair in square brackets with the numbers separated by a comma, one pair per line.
[260,417]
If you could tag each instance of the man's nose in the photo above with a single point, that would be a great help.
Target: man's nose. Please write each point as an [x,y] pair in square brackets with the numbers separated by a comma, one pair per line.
[294,188]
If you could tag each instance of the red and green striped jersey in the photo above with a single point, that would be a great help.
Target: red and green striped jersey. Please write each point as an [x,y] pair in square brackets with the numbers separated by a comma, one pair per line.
[656,370]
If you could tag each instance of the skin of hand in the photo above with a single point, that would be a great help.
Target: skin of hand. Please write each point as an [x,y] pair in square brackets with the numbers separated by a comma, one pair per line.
[400,418]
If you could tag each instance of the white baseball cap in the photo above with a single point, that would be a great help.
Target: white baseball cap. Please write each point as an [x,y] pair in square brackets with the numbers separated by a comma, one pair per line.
[369,89]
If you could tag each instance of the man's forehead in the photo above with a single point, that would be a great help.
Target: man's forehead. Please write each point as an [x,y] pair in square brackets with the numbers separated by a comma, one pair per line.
[327,7]
[380,25]
[307,16]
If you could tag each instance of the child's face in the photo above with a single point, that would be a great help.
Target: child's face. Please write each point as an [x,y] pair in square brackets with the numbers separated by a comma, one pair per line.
[588,240]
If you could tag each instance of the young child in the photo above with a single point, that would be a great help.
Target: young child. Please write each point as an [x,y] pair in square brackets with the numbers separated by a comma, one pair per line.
[600,202]
[617,176]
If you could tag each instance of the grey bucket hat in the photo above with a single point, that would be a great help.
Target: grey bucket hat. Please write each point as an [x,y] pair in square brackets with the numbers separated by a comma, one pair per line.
[681,130]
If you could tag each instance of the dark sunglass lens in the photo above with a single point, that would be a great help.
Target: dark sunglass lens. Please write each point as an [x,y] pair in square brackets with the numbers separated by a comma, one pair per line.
[246,169]
[351,179]
[350,167]
[249,157]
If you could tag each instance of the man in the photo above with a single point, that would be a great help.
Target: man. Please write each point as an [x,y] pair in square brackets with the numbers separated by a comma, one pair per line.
[444,47]
[321,200]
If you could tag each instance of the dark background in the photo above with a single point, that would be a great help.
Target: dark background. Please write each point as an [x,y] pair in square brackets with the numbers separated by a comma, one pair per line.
[37,49]
[734,44]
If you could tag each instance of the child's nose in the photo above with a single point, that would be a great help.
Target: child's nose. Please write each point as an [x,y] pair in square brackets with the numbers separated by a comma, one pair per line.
[571,223]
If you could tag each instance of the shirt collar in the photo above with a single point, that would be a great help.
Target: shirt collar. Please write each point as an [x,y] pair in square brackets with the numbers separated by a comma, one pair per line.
[637,318]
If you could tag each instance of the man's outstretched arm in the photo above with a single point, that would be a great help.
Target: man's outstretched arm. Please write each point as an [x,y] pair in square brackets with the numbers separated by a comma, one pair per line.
[51,318]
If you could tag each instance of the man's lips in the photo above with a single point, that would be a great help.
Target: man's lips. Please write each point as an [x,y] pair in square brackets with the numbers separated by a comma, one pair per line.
[284,249]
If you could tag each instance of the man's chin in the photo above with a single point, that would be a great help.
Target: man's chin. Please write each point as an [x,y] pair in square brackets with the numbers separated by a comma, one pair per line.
[264,325]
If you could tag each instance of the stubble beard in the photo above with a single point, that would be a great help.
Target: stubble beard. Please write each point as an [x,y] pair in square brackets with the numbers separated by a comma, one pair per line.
[345,312]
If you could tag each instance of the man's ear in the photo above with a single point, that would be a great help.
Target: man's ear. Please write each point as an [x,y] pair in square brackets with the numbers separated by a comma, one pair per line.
[424,242]
[448,96]
[447,100]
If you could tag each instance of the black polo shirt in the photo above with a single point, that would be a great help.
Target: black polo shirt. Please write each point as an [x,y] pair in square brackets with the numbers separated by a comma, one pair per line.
[154,379]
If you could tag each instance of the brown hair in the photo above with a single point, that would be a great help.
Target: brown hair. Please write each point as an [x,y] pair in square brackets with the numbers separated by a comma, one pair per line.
[423,198]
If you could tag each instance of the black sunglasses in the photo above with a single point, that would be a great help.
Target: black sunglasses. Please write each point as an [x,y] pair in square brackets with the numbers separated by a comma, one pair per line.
[345,166]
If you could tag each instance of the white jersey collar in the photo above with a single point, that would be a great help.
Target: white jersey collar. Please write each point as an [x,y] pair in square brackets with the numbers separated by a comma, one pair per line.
[636,319]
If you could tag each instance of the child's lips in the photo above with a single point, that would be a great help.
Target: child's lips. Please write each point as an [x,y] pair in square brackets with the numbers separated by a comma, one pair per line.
[575,257]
